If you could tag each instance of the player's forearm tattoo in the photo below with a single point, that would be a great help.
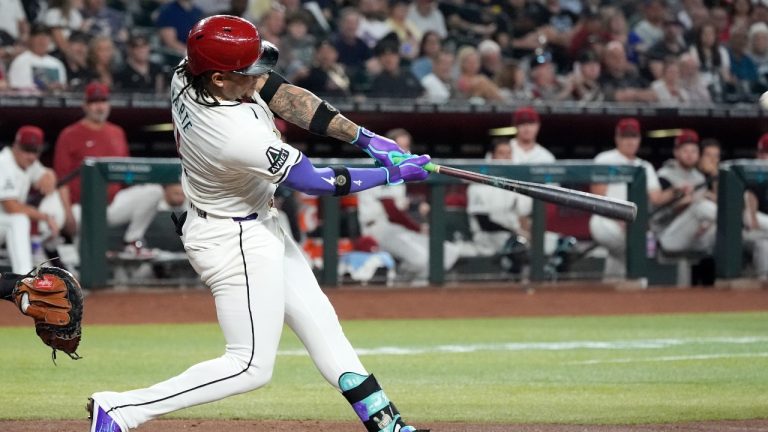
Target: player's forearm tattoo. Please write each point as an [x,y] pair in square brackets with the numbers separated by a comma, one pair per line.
[297,105]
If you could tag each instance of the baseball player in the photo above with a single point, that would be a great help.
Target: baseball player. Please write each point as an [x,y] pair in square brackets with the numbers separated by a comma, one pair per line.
[690,225]
[757,196]
[611,233]
[95,136]
[20,170]
[222,98]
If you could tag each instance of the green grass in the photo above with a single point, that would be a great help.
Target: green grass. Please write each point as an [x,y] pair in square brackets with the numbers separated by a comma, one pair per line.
[662,368]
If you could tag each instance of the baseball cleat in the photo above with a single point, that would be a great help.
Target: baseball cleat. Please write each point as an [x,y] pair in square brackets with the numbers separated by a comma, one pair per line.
[100,419]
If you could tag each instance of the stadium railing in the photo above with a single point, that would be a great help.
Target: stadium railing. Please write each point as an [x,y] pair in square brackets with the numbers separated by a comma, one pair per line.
[97,172]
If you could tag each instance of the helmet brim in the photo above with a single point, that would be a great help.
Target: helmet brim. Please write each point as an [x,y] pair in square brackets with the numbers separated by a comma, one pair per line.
[266,62]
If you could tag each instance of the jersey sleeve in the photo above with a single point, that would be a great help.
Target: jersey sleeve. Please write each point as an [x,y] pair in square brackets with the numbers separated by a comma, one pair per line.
[258,150]
[651,179]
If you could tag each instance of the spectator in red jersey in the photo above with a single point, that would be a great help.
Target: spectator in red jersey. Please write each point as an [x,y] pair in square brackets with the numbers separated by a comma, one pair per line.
[94,136]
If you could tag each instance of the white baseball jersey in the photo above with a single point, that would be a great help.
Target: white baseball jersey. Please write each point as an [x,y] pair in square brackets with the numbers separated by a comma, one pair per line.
[231,170]
[619,190]
[15,181]
[536,155]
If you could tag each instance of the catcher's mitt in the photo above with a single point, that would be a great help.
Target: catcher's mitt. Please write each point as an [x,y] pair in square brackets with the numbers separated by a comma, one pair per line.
[53,297]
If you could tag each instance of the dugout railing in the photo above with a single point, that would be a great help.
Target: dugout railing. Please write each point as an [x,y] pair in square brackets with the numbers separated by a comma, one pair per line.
[97,172]
[733,179]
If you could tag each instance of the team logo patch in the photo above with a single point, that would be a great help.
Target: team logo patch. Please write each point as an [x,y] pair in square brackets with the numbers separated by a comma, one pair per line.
[277,158]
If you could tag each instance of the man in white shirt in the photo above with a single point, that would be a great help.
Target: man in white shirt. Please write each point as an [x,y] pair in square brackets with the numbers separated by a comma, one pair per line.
[21,170]
[36,70]
[427,17]
[438,84]
[13,20]
[525,149]
[611,233]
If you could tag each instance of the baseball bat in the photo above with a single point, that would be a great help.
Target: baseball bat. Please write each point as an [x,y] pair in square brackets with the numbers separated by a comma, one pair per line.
[597,204]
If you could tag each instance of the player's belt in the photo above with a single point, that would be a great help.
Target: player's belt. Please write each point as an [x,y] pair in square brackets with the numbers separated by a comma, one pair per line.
[253,216]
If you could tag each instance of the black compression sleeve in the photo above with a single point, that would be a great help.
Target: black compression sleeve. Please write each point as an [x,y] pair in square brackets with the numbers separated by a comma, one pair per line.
[324,113]
[274,81]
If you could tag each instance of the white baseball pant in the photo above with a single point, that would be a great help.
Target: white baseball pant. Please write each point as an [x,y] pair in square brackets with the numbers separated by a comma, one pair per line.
[15,228]
[685,233]
[259,279]
[611,235]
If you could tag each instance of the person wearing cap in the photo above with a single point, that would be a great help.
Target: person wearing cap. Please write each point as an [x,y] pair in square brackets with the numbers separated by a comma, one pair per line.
[583,80]
[687,223]
[672,45]
[34,69]
[620,80]
[393,81]
[546,85]
[21,172]
[139,73]
[610,233]
[75,60]
[525,149]
[95,136]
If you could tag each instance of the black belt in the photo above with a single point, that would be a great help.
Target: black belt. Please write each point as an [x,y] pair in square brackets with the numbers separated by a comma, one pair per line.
[203,214]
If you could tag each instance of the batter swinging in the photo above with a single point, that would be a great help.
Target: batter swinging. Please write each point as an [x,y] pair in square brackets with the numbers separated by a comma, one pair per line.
[233,159]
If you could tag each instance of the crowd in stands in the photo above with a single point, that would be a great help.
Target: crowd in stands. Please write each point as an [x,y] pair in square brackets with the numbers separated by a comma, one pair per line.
[681,52]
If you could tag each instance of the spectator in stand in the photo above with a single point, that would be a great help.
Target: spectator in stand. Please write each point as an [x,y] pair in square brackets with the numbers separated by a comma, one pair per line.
[139,74]
[668,87]
[297,46]
[743,68]
[491,60]
[697,15]
[101,20]
[582,82]
[3,80]
[272,25]
[237,8]
[688,224]
[438,85]
[326,77]
[620,80]
[63,17]
[590,34]
[13,21]
[757,50]
[394,81]
[691,80]
[21,172]
[471,84]
[174,20]
[671,45]
[353,51]
[407,33]
[545,83]
[429,48]
[611,233]
[525,21]
[740,12]
[101,59]
[373,25]
[36,70]
[425,15]
[513,84]
[650,28]
[618,30]
[714,61]
[719,17]
[760,12]
[75,61]
[95,136]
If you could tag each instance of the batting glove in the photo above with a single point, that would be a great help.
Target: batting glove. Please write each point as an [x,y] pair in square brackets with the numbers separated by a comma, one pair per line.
[409,170]
[377,146]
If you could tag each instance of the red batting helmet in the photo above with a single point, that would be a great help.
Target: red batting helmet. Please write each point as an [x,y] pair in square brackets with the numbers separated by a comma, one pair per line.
[228,43]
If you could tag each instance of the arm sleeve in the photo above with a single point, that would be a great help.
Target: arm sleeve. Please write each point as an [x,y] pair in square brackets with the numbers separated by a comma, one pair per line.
[305,177]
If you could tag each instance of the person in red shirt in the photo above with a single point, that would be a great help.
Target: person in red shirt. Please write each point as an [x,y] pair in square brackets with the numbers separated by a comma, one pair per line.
[95,136]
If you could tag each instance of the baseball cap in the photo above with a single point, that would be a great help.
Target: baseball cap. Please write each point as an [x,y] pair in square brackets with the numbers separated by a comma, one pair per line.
[762,144]
[30,138]
[628,127]
[540,58]
[687,136]
[525,115]
[96,92]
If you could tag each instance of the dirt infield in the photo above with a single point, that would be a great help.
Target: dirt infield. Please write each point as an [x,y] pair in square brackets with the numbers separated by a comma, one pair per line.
[196,305]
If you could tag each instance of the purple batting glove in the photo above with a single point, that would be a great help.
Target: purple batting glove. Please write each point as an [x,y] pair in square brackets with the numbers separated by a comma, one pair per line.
[410,170]
[377,146]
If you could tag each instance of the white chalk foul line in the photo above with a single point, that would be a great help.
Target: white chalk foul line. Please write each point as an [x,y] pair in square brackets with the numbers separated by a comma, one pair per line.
[673,358]
[548,346]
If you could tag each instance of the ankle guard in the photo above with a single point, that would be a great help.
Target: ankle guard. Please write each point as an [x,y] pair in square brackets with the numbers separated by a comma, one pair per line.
[370,403]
